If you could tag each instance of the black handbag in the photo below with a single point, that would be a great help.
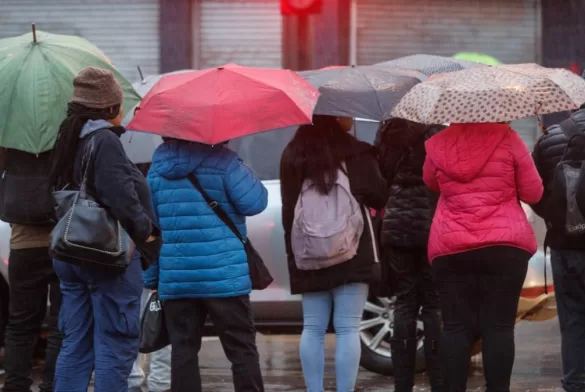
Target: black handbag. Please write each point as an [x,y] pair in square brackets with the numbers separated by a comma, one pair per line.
[86,233]
[259,273]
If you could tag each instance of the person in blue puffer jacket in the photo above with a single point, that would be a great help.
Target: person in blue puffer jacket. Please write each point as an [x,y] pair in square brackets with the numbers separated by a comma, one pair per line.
[203,269]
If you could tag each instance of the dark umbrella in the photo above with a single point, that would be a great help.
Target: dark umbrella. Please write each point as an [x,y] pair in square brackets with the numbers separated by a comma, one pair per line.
[429,64]
[361,91]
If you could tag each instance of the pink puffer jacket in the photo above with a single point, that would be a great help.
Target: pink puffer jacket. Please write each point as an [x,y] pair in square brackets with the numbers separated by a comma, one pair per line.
[481,172]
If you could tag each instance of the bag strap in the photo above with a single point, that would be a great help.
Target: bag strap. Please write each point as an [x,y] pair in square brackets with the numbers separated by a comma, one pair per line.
[569,127]
[85,163]
[215,207]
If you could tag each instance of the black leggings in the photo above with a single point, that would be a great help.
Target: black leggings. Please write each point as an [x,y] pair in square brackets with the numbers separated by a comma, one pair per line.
[479,292]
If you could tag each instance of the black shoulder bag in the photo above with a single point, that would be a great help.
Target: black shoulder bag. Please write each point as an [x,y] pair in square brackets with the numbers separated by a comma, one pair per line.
[259,274]
[86,233]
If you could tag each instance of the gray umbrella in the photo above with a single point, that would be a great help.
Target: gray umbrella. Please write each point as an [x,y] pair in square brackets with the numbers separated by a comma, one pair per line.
[429,64]
[140,146]
[361,91]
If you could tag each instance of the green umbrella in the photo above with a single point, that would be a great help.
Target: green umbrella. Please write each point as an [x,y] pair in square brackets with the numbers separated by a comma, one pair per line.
[36,83]
[477,58]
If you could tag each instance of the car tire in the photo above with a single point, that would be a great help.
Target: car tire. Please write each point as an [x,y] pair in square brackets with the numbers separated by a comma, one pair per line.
[383,365]
[375,331]
[376,326]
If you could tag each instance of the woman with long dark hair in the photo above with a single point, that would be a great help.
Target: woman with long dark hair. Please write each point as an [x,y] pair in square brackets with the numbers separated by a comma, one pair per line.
[320,159]
[100,310]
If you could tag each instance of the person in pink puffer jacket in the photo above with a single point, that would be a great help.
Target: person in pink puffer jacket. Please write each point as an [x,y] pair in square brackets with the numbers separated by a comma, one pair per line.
[480,243]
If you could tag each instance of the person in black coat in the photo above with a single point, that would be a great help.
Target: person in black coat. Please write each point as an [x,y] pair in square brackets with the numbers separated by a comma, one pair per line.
[567,252]
[100,309]
[317,154]
[405,233]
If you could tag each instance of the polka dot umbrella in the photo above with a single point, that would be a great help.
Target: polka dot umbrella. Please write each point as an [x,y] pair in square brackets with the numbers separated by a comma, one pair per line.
[492,94]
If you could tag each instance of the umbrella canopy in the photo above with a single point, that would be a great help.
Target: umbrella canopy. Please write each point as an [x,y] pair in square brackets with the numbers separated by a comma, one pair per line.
[429,64]
[36,83]
[219,104]
[361,91]
[492,94]
[140,146]
[145,85]
[480,58]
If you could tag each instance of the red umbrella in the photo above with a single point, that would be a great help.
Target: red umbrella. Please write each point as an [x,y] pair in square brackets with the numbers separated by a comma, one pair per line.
[219,104]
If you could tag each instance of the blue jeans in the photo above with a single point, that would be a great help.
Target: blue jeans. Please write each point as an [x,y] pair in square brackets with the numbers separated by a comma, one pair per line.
[159,374]
[100,322]
[569,278]
[348,304]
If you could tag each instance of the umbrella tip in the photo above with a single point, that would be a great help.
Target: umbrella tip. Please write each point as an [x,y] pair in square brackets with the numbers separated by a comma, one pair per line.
[220,68]
[140,73]
[34,32]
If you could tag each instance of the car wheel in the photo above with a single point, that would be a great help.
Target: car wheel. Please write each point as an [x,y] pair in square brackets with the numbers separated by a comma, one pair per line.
[375,332]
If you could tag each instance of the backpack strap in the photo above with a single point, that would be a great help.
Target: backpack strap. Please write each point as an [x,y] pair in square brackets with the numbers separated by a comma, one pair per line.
[570,128]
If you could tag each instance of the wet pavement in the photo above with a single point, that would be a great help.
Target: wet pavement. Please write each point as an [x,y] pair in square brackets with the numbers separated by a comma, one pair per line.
[537,366]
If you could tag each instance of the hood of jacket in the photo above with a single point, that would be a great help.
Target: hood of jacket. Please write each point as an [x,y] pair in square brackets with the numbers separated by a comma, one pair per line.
[92,126]
[462,150]
[175,159]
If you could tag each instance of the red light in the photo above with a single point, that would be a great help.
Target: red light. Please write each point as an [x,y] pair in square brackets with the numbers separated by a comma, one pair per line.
[534,292]
[300,7]
[6,262]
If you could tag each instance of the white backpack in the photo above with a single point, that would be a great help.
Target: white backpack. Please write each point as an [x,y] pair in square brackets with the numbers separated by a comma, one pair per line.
[327,228]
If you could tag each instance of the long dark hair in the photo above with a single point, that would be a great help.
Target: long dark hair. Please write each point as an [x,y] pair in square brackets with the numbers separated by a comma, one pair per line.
[316,153]
[65,150]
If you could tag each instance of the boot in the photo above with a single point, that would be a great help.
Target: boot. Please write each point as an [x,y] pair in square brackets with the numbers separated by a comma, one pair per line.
[404,361]
[433,364]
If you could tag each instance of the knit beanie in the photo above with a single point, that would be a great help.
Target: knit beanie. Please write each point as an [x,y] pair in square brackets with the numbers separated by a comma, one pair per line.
[96,88]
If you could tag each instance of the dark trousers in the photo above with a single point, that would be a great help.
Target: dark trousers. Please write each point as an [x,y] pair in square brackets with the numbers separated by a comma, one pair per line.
[233,321]
[479,292]
[32,280]
[415,295]
[100,321]
[569,277]
[4,301]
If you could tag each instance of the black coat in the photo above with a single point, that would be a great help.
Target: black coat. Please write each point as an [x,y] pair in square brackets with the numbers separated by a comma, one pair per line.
[411,205]
[118,184]
[367,186]
[547,154]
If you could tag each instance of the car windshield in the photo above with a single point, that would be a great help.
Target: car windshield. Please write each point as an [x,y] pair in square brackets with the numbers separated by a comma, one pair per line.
[262,151]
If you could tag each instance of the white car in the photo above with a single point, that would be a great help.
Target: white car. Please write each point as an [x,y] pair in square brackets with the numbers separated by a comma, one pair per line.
[276,310]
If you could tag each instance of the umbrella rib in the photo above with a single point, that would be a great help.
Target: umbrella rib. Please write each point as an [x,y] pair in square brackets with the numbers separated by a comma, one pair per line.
[375,92]
[16,83]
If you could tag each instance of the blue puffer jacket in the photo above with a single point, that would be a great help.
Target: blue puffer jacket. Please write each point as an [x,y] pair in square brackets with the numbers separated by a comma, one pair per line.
[201,257]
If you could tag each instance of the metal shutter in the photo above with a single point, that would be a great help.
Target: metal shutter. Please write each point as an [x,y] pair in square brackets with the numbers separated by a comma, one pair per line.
[246,32]
[506,29]
[126,31]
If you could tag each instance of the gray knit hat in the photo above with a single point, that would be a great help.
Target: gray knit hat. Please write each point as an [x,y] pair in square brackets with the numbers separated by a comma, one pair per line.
[96,88]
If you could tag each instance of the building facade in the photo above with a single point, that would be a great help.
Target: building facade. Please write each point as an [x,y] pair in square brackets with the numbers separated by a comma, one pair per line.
[166,35]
